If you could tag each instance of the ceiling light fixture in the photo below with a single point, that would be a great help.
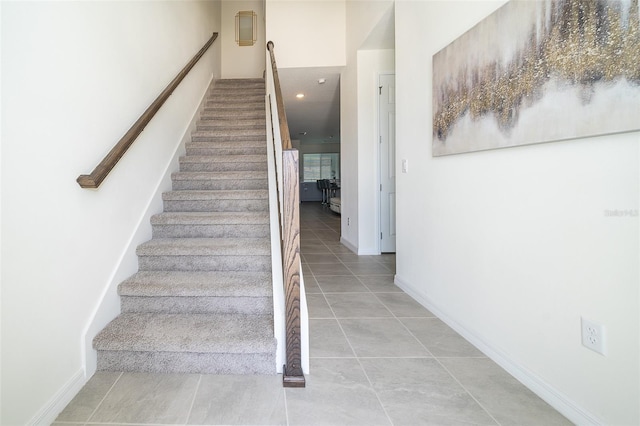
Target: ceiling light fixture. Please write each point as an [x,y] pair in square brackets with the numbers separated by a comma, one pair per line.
[300,95]
[321,81]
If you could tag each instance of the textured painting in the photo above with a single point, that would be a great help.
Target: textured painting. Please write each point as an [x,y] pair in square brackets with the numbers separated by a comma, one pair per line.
[539,71]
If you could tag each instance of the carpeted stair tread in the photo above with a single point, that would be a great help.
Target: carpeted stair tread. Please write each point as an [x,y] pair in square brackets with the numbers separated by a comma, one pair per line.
[212,150]
[229,175]
[249,143]
[243,114]
[237,194]
[197,283]
[238,224]
[219,105]
[202,299]
[233,134]
[206,218]
[224,159]
[205,247]
[216,200]
[215,333]
[232,128]
[212,137]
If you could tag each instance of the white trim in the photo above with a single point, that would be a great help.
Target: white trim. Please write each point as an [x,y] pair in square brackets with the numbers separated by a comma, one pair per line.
[348,244]
[50,411]
[567,407]
[277,279]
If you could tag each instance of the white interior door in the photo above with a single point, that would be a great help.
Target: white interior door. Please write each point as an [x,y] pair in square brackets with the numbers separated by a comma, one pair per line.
[387,131]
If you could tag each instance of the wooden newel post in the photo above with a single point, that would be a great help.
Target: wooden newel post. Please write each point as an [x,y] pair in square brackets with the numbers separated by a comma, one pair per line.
[293,375]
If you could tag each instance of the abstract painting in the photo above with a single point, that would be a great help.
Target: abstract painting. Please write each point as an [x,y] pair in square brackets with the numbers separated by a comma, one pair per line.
[539,71]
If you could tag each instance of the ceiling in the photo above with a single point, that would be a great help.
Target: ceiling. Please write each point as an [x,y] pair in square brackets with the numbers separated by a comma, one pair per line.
[316,117]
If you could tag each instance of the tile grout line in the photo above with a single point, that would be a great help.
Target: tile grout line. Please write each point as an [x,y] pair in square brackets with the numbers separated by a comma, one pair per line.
[357,358]
[193,400]
[286,406]
[93,413]
[451,374]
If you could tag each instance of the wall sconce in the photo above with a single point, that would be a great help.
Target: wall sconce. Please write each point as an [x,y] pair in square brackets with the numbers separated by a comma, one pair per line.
[246,23]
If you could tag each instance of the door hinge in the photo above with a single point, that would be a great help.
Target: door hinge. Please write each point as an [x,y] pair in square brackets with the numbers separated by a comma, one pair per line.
[380,187]
[381,235]
[380,90]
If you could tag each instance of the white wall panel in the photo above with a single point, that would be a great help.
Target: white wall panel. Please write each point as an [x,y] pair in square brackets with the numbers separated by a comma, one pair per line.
[75,76]
[513,246]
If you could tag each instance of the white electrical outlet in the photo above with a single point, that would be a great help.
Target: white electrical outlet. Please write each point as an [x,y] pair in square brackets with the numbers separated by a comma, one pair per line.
[593,336]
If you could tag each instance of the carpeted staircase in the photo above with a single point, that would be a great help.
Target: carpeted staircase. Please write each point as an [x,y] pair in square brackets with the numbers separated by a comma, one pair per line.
[201,301]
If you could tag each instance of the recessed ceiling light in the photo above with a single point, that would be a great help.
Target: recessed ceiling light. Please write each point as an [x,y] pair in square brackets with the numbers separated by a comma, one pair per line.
[321,81]
[300,95]
[302,133]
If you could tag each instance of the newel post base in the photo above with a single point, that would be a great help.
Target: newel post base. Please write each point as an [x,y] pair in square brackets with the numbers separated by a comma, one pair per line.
[294,380]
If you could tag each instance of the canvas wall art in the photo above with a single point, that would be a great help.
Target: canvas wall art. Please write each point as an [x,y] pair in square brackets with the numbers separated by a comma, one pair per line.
[539,71]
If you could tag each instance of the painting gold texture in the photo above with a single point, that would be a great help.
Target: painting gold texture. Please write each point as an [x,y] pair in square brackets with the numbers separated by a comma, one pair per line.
[539,71]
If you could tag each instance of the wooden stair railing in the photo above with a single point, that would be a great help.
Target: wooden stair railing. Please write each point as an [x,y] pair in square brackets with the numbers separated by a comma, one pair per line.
[101,171]
[293,375]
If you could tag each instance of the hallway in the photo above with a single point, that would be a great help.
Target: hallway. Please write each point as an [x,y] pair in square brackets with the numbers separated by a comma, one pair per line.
[377,358]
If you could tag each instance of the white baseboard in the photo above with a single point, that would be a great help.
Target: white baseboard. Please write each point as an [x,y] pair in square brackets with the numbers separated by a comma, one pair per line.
[564,405]
[348,244]
[50,411]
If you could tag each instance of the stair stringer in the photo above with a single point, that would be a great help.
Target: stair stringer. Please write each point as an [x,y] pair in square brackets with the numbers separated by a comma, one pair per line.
[279,330]
[109,306]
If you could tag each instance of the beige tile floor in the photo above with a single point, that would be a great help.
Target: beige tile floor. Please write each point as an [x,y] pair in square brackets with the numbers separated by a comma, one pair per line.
[377,358]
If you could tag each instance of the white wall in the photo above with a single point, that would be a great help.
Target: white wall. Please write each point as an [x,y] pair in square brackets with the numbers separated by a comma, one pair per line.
[358,118]
[307,33]
[75,76]
[242,61]
[371,64]
[513,246]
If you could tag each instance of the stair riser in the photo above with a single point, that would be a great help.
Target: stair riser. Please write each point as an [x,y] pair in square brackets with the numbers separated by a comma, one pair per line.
[216,205]
[235,134]
[257,114]
[233,97]
[214,106]
[246,89]
[234,120]
[240,82]
[227,151]
[248,142]
[198,305]
[220,184]
[231,127]
[204,263]
[211,231]
[223,167]
[196,363]
[210,138]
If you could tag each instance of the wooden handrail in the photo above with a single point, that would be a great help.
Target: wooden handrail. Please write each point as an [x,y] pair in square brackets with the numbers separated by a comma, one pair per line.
[292,376]
[282,115]
[101,171]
